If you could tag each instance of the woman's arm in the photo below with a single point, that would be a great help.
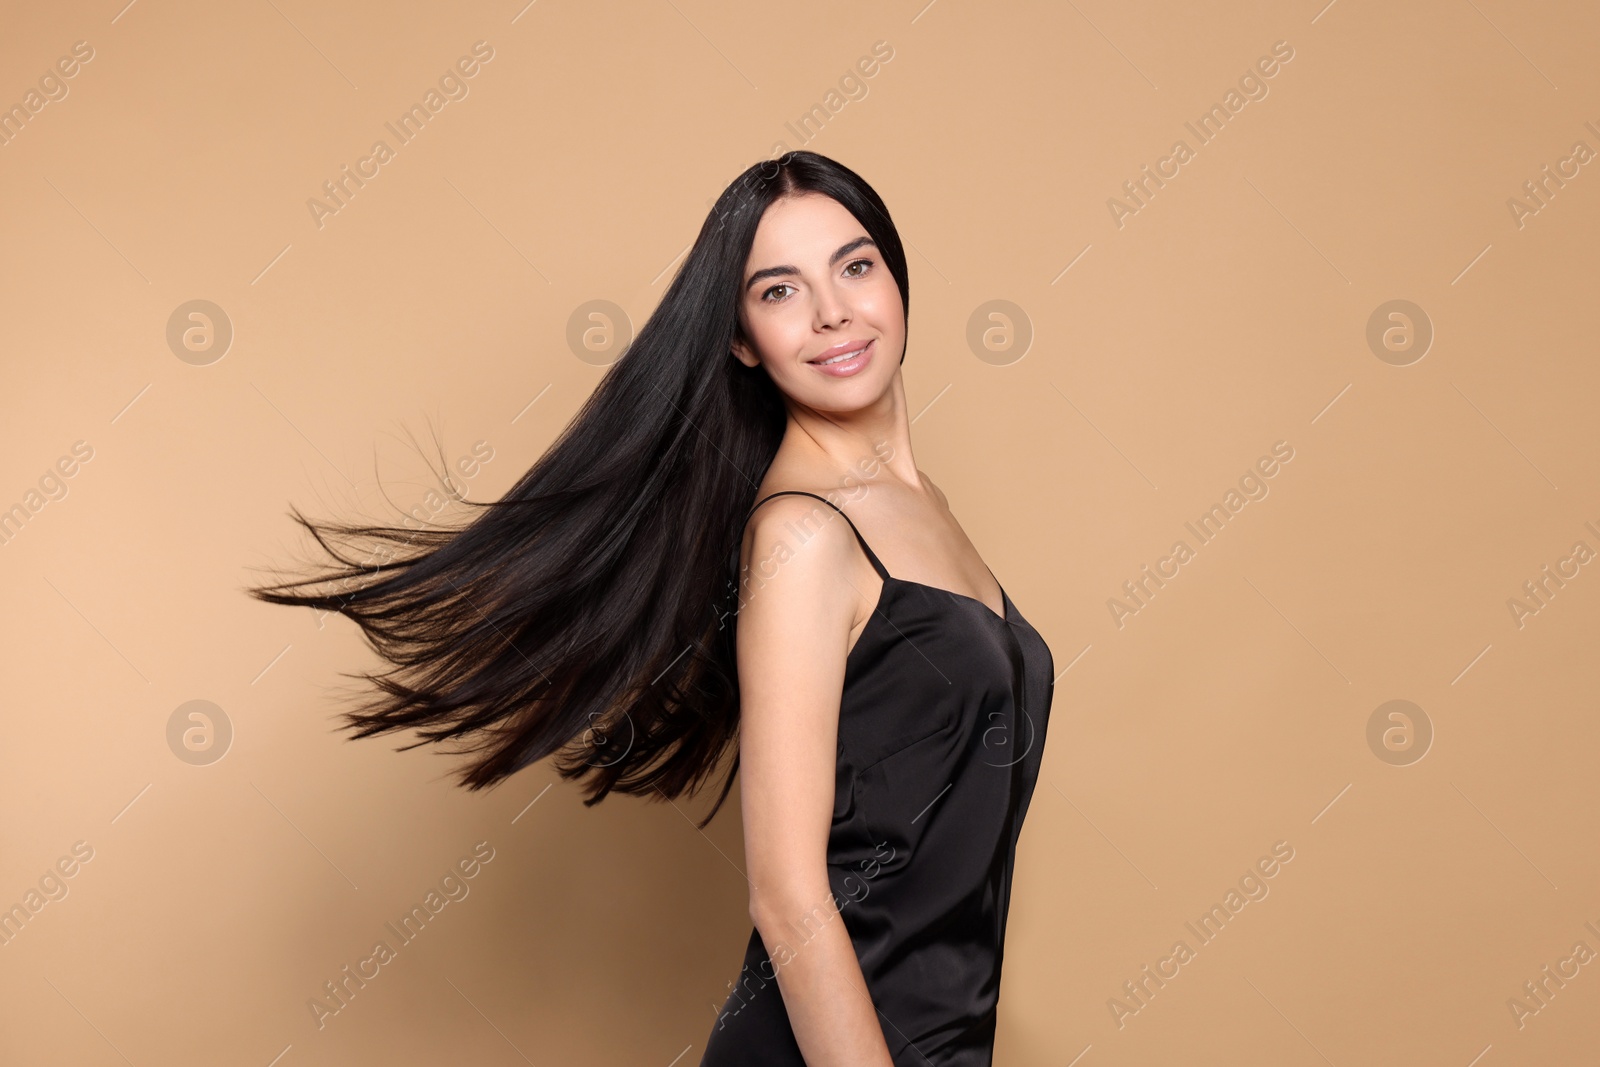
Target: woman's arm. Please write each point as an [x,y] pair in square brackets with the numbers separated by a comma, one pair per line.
[800,603]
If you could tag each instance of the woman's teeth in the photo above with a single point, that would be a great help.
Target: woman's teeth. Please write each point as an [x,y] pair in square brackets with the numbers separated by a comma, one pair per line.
[836,359]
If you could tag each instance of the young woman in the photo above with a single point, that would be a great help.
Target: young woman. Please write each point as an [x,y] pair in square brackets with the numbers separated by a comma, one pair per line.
[888,714]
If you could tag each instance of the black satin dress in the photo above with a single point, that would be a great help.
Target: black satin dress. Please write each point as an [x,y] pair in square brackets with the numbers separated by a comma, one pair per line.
[941,728]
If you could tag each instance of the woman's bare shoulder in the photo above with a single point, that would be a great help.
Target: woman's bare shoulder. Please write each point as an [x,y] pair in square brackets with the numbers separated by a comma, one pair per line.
[938,494]
[781,528]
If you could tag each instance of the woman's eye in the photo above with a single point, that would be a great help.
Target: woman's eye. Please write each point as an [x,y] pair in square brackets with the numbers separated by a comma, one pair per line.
[864,264]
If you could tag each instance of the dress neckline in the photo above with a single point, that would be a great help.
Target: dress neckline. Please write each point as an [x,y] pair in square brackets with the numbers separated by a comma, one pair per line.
[1003,615]
[1007,620]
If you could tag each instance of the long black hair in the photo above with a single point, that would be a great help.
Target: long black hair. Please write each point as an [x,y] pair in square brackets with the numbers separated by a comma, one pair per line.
[590,612]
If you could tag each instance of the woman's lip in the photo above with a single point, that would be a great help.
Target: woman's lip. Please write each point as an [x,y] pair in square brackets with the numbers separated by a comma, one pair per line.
[846,367]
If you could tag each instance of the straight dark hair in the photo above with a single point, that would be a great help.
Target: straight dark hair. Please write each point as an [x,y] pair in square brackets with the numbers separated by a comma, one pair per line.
[590,612]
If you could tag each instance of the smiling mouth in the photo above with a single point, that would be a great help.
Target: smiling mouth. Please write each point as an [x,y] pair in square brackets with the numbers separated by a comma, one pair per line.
[842,356]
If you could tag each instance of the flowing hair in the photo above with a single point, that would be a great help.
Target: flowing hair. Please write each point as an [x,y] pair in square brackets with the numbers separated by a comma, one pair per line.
[590,611]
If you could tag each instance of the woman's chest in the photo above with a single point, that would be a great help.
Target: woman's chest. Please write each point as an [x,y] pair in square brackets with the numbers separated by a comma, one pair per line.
[933,664]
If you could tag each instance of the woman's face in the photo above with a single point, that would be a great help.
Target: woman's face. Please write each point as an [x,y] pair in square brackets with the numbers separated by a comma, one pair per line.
[815,286]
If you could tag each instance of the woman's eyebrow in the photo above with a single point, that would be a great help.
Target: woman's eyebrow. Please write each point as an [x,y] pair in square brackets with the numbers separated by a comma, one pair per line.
[843,250]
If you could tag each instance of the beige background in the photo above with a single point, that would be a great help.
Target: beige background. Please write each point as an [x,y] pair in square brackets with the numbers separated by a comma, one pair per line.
[1168,354]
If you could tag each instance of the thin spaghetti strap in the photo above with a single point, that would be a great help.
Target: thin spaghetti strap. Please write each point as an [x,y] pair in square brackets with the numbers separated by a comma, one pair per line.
[872,556]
